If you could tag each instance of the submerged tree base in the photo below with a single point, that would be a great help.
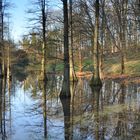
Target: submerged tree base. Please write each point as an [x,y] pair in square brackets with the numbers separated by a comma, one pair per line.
[65,92]
[1,76]
[65,95]
[96,82]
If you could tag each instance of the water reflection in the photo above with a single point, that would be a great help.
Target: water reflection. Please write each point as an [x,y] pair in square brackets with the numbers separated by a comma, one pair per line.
[44,108]
[96,97]
[34,110]
[3,108]
[67,118]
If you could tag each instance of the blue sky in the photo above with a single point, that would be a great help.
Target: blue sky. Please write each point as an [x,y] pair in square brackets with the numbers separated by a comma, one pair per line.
[19,17]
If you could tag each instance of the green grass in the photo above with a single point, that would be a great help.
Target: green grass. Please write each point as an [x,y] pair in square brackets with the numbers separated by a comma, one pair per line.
[112,64]
[59,67]
[55,67]
[87,65]
[132,64]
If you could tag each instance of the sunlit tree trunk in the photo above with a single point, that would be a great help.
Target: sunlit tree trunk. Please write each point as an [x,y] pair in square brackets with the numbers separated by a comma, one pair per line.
[72,71]
[102,40]
[80,55]
[8,62]
[96,81]
[65,92]
[8,56]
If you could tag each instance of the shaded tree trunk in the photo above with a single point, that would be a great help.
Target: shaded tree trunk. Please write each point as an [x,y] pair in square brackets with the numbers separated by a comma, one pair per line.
[65,92]
[44,47]
[96,81]
[1,38]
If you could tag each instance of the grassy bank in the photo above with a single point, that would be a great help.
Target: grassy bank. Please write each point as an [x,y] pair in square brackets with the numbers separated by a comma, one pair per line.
[112,65]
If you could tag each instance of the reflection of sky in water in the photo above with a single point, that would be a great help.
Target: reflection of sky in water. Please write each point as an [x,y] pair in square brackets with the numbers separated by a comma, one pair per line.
[114,111]
[27,123]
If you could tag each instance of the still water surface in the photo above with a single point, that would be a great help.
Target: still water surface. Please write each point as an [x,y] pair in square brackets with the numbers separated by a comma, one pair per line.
[110,113]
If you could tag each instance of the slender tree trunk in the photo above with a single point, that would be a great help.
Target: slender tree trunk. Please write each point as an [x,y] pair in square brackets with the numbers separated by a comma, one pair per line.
[1,34]
[96,81]
[102,40]
[3,52]
[122,35]
[2,38]
[44,46]
[0,105]
[8,63]
[80,53]
[122,63]
[65,92]
[8,56]
[44,109]
[72,71]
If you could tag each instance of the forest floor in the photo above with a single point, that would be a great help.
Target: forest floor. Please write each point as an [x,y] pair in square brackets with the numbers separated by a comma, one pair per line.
[112,65]
[112,68]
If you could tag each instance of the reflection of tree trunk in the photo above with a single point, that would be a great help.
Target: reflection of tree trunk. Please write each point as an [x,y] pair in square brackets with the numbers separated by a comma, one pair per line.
[3,127]
[0,106]
[122,95]
[121,125]
[96,92]
[67,118]
[9,96]
[73,87]
[44,110]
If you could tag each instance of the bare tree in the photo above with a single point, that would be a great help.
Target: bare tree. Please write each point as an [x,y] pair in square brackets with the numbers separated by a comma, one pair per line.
[96,81]
[65,92]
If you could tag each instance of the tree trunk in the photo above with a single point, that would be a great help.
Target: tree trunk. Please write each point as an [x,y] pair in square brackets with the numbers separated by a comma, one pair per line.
[1,38]
[44,47]
[65,92]
[72,71]
[8,63]
[96,81]
[102,40]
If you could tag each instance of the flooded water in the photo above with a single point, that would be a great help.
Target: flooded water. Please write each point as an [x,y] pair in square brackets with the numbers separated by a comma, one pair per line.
[32,110]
